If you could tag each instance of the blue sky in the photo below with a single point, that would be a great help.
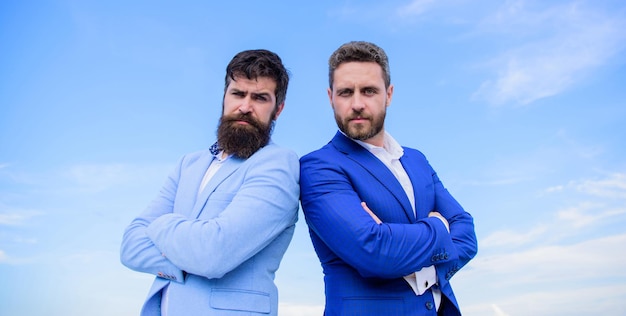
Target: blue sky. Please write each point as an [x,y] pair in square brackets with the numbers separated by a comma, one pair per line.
[519,105]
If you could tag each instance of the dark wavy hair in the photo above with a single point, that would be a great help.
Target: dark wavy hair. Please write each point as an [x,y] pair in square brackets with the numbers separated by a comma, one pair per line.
[253,64]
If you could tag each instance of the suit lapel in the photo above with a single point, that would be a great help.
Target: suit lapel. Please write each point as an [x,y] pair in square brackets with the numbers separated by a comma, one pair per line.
[376,168]
[228,167]
[417,180]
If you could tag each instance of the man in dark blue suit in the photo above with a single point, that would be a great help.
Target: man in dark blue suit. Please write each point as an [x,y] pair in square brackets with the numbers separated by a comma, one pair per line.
[388,234]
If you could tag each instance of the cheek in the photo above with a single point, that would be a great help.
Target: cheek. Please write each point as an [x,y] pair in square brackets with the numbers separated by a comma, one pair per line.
[342,106]
[228,106]
[264,113]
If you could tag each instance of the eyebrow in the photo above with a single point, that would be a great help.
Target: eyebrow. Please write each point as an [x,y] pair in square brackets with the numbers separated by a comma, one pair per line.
[375,88]
[262,94]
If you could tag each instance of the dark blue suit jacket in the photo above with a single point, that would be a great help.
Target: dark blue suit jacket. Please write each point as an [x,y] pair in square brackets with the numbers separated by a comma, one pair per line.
[363,262]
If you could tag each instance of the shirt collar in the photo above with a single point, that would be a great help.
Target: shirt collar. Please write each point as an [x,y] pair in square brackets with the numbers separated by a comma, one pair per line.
[390,146]
[217,152]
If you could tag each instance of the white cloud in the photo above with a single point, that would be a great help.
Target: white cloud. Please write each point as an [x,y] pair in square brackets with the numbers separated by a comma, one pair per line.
[546,280]
[560,45]
[605,300]
[601,203]
[510,238]
[567,259]
[17,218]
[99,177]
[559,260]
[415,7]
[497,311]
[612,187]
[3,256]
[586,214]
[556,188]
[29,240]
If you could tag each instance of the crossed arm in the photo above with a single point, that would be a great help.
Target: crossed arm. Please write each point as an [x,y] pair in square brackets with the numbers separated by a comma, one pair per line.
[164,241]
[431,214]
[335,214]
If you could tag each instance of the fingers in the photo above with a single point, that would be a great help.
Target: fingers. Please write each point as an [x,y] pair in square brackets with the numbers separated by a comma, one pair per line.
[367,209]
[439,216]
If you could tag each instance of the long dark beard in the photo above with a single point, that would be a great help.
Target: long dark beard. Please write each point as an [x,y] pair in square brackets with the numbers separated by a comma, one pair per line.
[243,140]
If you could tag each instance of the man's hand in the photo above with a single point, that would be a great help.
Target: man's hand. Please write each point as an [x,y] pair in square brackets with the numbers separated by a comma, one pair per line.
[439,216]
[431,214]
[367,209]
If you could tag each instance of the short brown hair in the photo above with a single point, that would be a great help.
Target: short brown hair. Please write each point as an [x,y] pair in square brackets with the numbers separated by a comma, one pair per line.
[361,52]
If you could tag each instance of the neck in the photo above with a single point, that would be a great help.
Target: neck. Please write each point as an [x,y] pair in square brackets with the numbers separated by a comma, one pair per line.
[377,140]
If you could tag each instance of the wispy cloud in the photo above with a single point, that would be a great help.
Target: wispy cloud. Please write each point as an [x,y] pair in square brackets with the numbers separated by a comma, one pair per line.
[86,178]
[567,300]
[559,45]
[497,311]
[567,247]
[614,186]
[414,8]
[552,263]
[511,238]
[587,214]
[97,177]
[17,218]
[391,14]
[91,178]
[602,202]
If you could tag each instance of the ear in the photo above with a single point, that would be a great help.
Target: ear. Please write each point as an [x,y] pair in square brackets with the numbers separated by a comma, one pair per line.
[279,109]
[389,95]
[330,96]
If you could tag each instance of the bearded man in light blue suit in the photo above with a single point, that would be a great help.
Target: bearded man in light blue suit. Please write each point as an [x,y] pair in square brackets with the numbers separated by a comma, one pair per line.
[215,234]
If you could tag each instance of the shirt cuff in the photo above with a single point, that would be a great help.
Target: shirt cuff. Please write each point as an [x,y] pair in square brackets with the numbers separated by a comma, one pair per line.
[422,280]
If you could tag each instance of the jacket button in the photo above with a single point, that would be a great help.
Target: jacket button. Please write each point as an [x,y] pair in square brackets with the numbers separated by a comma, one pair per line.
[429,305]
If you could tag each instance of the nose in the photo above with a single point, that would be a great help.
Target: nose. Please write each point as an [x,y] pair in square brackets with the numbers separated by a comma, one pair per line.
[357,103]
[246,105]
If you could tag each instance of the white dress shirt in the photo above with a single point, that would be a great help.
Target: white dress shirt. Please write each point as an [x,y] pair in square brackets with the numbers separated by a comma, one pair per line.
[390,154]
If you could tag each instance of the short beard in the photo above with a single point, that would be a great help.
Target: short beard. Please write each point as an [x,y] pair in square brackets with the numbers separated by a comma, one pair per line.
[242,140]
[358,131]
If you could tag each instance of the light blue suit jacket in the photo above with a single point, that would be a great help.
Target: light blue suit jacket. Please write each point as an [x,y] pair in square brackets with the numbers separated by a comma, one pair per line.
[363,262]
[217,251]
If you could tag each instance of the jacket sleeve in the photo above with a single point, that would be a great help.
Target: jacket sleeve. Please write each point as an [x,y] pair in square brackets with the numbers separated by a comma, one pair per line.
[461,229]
[264,206]
[390,250]
[138,252]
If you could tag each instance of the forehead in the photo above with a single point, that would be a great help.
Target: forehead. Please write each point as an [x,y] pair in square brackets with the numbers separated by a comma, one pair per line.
[361,73]
[258,85]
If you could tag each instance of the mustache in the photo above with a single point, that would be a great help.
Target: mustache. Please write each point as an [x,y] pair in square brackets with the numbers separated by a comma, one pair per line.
[359,115]
[242,118]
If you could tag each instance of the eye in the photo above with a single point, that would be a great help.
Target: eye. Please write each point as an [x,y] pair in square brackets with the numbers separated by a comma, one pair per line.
[369,91]
[260,98]
[344,92]
[238,93]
